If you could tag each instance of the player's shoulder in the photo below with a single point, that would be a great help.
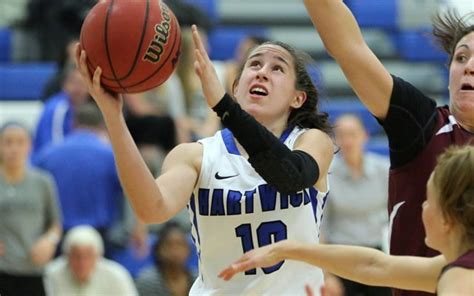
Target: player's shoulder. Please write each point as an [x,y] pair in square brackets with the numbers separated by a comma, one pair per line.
[186,150]
[456,281]
[190,153]
[316,136]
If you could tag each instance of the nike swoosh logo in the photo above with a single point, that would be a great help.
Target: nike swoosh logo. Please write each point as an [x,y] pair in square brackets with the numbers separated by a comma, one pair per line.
[223,177]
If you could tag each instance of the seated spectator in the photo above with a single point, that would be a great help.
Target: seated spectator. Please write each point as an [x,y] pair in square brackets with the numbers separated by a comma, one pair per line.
[168,276]
[30,225]
[83,271]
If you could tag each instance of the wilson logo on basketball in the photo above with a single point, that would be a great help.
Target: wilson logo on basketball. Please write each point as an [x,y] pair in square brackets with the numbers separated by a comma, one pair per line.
[155,49]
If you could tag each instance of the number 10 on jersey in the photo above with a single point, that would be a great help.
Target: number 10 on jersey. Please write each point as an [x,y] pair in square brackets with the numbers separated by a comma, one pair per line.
[267,233]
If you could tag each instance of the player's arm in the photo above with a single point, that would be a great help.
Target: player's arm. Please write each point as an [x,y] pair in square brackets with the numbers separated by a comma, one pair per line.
[319,146]
[153,202]
[360,264]
[343,40]
[456,281]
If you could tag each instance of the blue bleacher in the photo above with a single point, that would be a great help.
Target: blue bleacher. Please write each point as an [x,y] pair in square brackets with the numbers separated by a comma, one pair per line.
[336,107]
[5,44]
[224,40]
[418,45]
[375,13]
[24,81]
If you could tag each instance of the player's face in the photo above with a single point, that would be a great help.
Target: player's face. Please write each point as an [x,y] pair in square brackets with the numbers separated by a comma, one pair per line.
[15,146]
[266,88]
[433,218]
[461,82]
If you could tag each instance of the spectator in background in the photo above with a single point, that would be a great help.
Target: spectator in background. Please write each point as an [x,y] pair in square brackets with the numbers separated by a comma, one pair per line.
[200,121]
[84,169]
[83,271]
[30,225]
[356,212]
[63,63]
[57,117]
[168,276]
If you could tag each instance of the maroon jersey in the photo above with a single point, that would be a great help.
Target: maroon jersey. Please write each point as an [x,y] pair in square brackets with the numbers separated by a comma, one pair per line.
[407,191]
[464,261]
[418,132]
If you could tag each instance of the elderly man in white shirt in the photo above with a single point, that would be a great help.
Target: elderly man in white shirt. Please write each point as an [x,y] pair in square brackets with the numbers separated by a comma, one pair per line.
[82,270]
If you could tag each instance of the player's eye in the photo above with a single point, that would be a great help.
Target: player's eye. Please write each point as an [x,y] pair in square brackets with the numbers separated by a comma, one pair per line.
[278,68]
[461,58]
[254,63]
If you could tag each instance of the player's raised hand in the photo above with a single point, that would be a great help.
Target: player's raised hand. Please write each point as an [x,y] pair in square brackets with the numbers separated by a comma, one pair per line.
[260,257]
[212,88]
[106,100]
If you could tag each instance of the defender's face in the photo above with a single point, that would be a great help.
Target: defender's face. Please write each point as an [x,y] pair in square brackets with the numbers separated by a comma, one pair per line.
[461,82]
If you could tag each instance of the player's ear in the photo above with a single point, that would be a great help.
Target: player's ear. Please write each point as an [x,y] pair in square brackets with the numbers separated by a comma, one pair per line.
[299,99]
[234,87]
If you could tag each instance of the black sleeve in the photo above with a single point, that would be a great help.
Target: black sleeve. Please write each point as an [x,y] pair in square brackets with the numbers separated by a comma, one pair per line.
[409,123]
[288,171]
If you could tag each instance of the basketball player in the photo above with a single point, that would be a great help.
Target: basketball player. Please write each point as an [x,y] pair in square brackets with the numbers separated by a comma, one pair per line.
[262,179]
[448,219]
[418,130]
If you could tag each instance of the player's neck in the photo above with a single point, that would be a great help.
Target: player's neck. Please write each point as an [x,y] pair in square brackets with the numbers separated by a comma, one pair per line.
[456,246]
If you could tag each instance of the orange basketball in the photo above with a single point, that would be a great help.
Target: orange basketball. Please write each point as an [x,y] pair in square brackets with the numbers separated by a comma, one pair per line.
[135,42]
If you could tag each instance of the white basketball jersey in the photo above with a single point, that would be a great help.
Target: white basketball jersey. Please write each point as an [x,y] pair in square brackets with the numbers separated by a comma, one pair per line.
[233,210]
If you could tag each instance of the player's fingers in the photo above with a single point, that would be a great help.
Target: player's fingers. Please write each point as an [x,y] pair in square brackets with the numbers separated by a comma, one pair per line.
[198,56]
[77,54]
[96,78]
[199,45]
[243,266]
[83,69]
[308,290]
[196,38]
[227,273]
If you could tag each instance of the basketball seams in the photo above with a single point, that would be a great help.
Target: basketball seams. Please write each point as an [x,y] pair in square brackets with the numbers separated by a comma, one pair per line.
[106,42]
[164,63]
[137,54]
